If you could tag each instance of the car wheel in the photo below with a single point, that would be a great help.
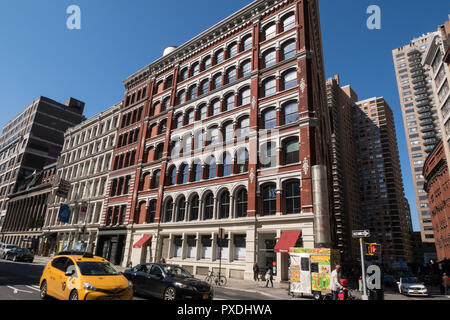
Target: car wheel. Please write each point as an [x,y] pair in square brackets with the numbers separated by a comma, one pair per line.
[74,295]
[43,293]
[317,296]
[170,294]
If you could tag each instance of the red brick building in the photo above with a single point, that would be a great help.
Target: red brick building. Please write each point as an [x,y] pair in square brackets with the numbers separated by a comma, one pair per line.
[438,188]
[230,130]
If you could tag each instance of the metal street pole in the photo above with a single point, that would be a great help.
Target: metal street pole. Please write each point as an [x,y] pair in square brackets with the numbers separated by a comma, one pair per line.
[363,266]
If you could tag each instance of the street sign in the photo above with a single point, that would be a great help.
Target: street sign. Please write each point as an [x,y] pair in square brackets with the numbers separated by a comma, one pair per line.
[361,234]
[83,211]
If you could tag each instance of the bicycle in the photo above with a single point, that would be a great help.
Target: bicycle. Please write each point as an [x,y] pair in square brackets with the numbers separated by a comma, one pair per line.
[220,281]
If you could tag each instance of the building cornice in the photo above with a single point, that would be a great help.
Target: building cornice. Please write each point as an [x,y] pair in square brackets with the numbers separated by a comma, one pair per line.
[242,18]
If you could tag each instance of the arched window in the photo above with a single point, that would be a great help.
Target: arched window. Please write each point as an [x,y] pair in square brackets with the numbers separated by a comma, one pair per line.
[159,87]
[289,50]
[290,80]
[228,132]
[151,212]
[172,176]
[159,152]
[209,207]
[245,96]
[207,63]
[181,97]
[215,107]
[168,83]
[212,168]
[184,174]
[247,43]
[288,22]
[232,50]
[197,172]
[270,58]
[194,207]
[244,127]
[291,151]
[268,155]
[269,87]
[270,31]
[181,209]
[162,127]
[270,119]
[199,139]
[241,203]
[217,81]
[203,112]
[269,200]
[178,121]
[183,74]
[193,92]
[224,205]
[290,112]
[213,136]
[231,75]
[226,171]
[175,148]
[187,144]
[168,211]
[246,69]
[165,105]
[219,57]
[195,69]
[156,178]
[242,161]
[292,197]
[229,102]
[204,86]
[190,117]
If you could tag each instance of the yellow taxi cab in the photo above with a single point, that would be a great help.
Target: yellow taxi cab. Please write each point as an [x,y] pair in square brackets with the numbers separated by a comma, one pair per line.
[84,277]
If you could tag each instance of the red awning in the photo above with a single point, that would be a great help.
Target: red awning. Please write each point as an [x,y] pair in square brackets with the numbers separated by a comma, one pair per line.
[287,240]
[141,242]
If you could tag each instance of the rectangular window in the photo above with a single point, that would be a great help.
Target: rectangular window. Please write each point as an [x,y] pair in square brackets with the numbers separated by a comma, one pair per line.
[223,248]
[191,247]
[177,247]
[240,247]
[206,247]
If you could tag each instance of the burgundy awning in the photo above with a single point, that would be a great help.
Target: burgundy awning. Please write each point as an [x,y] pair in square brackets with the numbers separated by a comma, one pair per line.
[287,240]
[141,242]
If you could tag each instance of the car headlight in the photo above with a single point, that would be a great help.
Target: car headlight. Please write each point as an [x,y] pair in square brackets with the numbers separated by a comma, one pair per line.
[130,284]
[89,286]
[183,286]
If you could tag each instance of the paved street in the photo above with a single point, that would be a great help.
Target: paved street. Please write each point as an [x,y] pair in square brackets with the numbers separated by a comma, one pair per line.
[20,281]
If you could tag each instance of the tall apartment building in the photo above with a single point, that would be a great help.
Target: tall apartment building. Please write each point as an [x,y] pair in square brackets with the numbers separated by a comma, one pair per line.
[33,140]
[85,162]
[384,208]
[421,121]
[197,129]
[436,60]
[346,193]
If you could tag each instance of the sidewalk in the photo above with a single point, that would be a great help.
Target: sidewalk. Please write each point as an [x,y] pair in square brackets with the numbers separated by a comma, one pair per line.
[278,292]
[41,260]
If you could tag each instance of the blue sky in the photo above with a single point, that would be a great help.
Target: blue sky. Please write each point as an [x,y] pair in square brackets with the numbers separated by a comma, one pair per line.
[40,56]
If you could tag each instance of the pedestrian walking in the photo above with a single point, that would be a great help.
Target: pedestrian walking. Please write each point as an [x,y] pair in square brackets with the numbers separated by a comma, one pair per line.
[360,284]
[255,272]
[336,285]
[162,261]
[446,284]
[269,277]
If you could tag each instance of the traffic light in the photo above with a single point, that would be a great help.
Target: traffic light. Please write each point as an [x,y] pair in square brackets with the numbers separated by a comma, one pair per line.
[373,249]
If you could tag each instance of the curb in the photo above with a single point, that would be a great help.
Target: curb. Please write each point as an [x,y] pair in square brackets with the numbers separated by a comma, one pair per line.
[254,291]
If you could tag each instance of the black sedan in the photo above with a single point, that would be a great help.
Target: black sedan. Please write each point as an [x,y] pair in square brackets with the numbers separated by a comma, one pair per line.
[168,282]
[20,254]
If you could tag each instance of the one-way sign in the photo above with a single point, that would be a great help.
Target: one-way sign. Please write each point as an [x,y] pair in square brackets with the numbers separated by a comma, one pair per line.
[361,234]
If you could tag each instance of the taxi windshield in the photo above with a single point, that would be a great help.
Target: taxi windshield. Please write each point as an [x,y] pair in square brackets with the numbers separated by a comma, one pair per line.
[96,268]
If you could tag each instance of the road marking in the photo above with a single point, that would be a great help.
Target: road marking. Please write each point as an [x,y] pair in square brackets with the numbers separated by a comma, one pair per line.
[37,287]
[18,290]
[32,287]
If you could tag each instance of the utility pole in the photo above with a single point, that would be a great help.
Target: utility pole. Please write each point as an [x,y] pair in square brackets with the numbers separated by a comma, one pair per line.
[363,266]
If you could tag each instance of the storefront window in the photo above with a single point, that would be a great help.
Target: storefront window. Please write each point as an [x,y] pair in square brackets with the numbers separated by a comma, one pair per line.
[178,246]
[222,248]
[191,247]
[206,247]
[239,247]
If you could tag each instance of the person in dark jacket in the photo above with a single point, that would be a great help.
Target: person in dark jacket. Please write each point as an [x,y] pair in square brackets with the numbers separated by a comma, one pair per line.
[269,277]
[255,272]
